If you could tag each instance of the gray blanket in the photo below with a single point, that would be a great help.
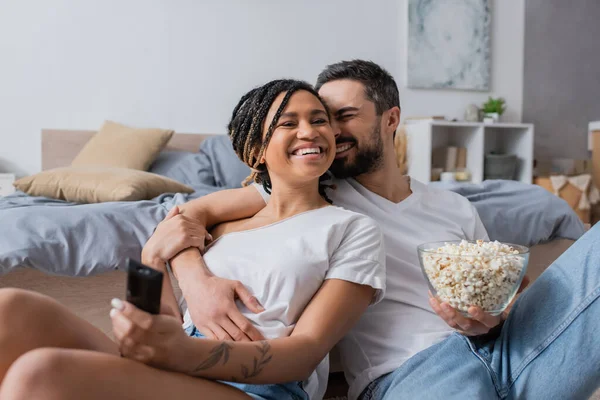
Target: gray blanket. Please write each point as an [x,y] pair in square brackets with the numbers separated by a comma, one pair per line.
[74,239]
[66,238]
[520,213]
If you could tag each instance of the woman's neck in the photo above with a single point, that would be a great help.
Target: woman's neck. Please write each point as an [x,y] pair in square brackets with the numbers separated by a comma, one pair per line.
[288,200]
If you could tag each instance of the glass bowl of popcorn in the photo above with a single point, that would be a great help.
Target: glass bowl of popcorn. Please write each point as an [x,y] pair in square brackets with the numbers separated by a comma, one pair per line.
[480,273]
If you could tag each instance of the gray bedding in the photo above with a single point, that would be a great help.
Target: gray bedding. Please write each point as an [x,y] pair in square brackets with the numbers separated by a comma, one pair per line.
[519,213]
[73,239]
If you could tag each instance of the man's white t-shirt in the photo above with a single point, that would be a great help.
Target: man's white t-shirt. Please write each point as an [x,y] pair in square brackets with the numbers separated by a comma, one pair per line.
[285,263]
[403,323]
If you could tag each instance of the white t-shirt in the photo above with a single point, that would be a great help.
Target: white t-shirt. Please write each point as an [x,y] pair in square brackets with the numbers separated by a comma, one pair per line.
[284,264]
[403,323]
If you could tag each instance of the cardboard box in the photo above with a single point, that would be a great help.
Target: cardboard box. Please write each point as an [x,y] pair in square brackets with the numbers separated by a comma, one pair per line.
[568,193]
[596,157]
[562,166]
[595,217]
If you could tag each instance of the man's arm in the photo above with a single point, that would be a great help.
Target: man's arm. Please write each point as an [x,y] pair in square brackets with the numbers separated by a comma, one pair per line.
[211,300]
[211,210]
[223,206]
[480,322]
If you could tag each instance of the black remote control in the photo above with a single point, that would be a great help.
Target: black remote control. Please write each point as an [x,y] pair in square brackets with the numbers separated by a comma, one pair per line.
[144,286]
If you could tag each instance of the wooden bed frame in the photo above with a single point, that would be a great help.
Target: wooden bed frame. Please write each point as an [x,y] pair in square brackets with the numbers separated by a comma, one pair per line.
[59,148]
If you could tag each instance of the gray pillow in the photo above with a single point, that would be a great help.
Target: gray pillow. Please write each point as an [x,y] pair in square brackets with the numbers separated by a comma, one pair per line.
[215,164]
[166,160]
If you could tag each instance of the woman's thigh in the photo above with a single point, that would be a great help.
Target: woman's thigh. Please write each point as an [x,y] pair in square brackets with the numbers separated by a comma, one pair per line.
[78,374]
[31,320]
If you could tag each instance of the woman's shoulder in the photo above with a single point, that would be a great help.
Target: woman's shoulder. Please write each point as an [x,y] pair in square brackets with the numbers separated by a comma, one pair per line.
[344,213]
[351,222]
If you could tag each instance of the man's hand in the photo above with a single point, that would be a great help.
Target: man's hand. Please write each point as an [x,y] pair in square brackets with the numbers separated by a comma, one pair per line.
[480,322]
[213,309]
[174,234]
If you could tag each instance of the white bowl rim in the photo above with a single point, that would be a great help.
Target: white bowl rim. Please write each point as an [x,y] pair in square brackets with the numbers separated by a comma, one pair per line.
[522,250]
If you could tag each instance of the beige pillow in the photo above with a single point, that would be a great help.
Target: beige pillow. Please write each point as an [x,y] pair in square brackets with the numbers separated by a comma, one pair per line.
[117,145]
[98,184]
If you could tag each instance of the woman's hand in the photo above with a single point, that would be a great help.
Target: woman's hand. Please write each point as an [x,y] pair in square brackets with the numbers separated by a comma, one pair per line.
[156,340]
[174,234]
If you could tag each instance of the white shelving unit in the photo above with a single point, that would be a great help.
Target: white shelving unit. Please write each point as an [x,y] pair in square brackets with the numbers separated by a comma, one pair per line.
[478,138]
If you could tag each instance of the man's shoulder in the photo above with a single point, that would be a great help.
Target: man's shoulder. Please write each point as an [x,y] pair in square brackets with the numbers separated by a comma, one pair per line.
[439,195]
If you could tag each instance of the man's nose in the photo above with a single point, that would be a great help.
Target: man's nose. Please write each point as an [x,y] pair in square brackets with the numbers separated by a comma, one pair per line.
[337,130]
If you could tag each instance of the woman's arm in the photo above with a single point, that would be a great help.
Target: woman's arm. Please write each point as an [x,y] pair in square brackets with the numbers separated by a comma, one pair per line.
[180,240]
[159,340]
[355,275]
[335,308]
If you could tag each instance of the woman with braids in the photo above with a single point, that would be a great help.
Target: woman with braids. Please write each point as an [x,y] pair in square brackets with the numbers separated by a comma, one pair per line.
[313,267]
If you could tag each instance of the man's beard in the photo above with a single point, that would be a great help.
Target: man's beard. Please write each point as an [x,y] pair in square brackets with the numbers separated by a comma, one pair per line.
[368,158]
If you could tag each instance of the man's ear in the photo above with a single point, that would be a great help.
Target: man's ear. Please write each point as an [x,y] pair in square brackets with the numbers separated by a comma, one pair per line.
[392,120]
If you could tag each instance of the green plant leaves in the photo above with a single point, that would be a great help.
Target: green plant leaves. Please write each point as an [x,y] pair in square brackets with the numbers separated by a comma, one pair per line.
[494,105]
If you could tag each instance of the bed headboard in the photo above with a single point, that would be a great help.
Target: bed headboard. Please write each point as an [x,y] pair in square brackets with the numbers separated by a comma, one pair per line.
[59,147]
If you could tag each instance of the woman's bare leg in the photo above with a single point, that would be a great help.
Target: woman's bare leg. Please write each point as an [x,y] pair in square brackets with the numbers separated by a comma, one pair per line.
[52,374]
[30,320]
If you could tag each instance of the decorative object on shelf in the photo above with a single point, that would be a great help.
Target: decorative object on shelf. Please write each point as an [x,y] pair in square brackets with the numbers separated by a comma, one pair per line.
[472,113]
[451,155]
[449,53]
[6,184]
[500,166]
[493,109]
[447,177]
[436,174]
[461,158]
[462,175]
[449,159]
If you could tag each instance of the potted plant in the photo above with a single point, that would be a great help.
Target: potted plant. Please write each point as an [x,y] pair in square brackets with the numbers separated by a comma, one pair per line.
[493,109]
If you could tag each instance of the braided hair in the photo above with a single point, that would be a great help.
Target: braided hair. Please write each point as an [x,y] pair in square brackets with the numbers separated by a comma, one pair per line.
[246,127]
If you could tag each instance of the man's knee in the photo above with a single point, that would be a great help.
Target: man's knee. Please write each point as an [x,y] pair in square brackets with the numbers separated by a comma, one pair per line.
[38,374]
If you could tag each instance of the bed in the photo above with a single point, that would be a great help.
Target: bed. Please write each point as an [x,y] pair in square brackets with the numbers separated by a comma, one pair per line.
[87,286]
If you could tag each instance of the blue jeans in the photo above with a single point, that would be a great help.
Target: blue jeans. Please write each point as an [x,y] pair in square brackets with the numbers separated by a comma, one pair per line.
[282,391]
[548,348]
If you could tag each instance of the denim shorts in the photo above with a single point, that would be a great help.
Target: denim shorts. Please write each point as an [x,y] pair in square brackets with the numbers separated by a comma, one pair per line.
[281,391]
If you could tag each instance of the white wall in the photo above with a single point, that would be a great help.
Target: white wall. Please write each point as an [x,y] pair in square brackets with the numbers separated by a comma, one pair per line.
[507,42]
[183,64]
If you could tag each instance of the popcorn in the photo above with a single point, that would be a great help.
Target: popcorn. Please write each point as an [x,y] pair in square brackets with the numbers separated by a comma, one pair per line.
[468,274]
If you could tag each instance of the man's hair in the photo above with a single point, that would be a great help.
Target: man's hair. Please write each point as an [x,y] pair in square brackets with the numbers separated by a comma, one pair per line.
[380,87]
[246,126]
